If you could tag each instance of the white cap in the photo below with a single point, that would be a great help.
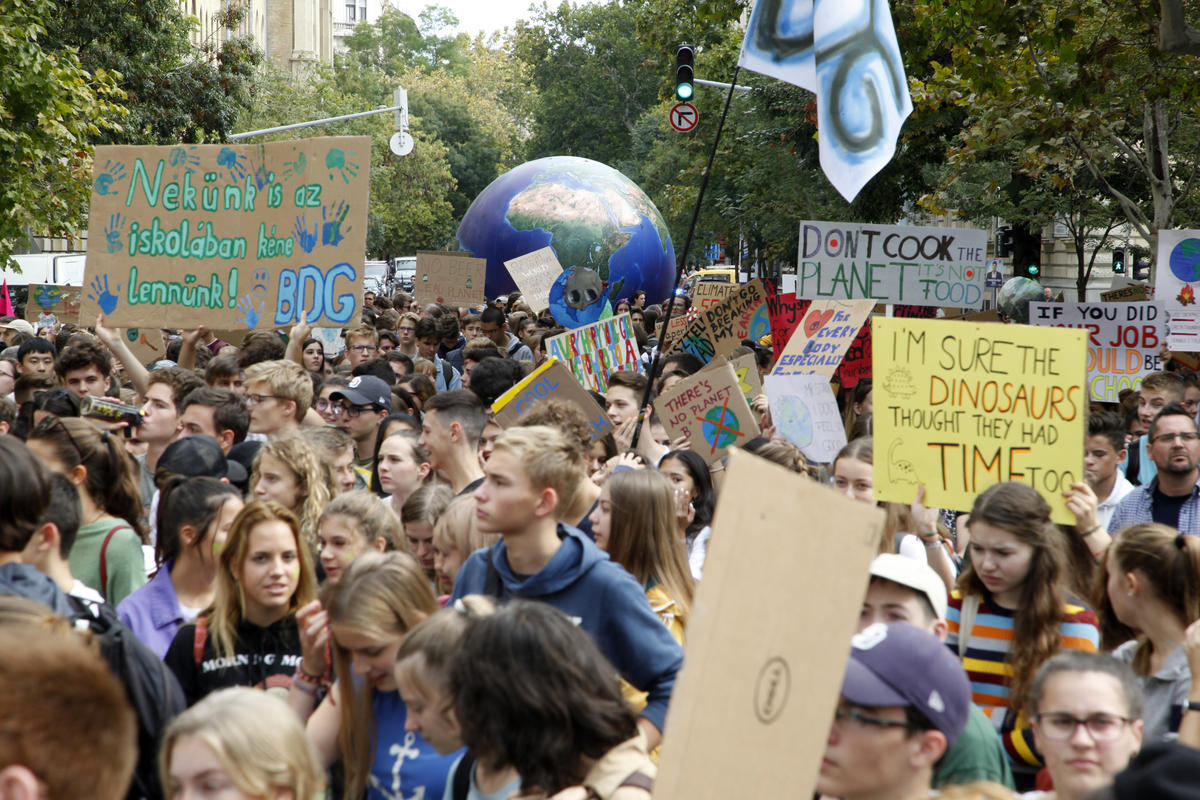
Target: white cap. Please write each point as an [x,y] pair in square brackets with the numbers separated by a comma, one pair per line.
[23,326]
[913,574]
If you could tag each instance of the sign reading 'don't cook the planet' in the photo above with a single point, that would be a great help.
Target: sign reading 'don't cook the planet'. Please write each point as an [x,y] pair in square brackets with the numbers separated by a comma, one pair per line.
[228,236]
[596,351]
[892,264]
[962,406]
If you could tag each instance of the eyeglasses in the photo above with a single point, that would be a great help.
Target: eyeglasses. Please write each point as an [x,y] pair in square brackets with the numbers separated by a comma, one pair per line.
[363,348]
[407,329]
[255,399]
[354,412]
[1167,438]
[329,405]
[1059,726]
[857,720]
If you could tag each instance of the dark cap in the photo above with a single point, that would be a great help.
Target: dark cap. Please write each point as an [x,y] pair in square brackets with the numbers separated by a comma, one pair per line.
[902,665]
[194,456]
[366,390]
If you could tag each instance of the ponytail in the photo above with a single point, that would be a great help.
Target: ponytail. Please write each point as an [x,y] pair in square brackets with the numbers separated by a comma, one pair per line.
[118,493]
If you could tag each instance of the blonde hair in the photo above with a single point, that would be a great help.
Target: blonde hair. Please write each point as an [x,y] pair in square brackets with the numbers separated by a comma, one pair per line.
[287,379]
[229,605]
[313,475]
[362,332]
[548,459]
[368,516]
[456,530]
[381,596]
[256,737]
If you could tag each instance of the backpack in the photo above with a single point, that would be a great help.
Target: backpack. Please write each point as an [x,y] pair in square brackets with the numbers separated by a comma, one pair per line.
[152,689]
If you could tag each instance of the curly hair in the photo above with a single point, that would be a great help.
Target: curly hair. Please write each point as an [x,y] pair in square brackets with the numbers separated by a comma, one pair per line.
[314,477]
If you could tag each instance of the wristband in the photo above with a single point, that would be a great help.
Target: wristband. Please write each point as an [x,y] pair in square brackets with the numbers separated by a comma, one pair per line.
[303,683]
[930,536]
[1193,705]
[311,678]
[1091,530]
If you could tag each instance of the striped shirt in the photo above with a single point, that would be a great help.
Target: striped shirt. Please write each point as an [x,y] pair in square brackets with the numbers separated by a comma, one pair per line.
[989,671]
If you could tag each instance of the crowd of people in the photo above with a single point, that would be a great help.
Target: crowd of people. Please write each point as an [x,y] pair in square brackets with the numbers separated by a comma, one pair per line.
[266,570]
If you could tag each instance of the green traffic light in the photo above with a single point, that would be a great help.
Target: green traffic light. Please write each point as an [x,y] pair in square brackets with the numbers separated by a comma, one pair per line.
[684,91]
[1033,269]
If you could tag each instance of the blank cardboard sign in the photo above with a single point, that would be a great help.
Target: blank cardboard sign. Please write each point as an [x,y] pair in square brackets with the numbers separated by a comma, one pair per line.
[768,636]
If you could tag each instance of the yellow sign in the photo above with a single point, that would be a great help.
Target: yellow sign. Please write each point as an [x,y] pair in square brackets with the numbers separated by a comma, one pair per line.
[960,406]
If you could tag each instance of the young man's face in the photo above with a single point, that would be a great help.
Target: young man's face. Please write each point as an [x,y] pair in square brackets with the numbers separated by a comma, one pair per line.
[436,439]
[506,500]
[1191,400]
[86,381]
[35,363]
[427,347]
[358,350]
[268,414]
[1100,461]
[622,403]
[496,332]
[407,329]
[8,377]
[473,330]
[386,346]
[1169,451]
[888,601]
[233,383]
[160,419]
[361,422]
[1150,402]
[863,760]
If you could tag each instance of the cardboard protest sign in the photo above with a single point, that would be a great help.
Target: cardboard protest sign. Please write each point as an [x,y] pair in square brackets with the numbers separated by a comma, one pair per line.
[710,409]
[857,363]
[52,305]
[722,328]
[551,381]
[450,278]
[752,707]
[785,312]
[1176,281]
[892,263]
[675,328]
[805,412]
[228,236]
[824,336]
[535,274]
[331,339]
[1124,341]
[960,406]
[1125,294]
[707,294]
[746,369]
[596,351]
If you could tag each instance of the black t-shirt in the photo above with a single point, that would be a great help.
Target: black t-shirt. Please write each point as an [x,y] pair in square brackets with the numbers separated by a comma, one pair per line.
[1165,509]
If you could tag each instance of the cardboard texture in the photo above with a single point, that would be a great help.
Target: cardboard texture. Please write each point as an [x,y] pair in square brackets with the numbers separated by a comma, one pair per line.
[721,329]
[752,707]
[959,407]
[535,274]
[1124,341]
[746,369]
[596,351]
[710,409]
[675,329]
[824,336]
[551,381]
[892,263]
[805,412]
[228,236]
[707,294]
[52,305]
[1125,294]
[453,279]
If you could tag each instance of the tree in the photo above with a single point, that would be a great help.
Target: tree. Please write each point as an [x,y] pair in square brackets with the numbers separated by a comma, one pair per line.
[51,109]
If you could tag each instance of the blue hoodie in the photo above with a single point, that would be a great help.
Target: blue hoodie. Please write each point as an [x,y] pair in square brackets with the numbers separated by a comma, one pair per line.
[603,599]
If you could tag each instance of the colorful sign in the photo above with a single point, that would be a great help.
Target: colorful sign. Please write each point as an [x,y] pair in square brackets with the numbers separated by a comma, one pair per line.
[892,264]
[228,236]
[598,350]
[1125,294]
[535,274]
[1124,341]
[551,381]
[821,341]
[449,278]
[722,328]
[746,369]
[710,409]
[785,312]
[707,294]
[961,406]
[50,305]
[805,412]
[857,363]
[1176,283]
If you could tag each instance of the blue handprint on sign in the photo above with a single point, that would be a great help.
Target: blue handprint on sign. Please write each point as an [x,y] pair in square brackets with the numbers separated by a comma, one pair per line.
[331,229]
[112,233]
[304,237]
[236,164]
[249,316]
[114,172]
[258,166]
[103,297]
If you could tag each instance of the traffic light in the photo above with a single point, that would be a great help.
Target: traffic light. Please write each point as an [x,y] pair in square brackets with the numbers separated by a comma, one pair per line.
[1004,242]
[1030,271]
[1118,260]
[685,61]
[1141,263]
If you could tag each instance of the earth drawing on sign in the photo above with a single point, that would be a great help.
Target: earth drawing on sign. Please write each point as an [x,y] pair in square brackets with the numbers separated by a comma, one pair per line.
[720,427]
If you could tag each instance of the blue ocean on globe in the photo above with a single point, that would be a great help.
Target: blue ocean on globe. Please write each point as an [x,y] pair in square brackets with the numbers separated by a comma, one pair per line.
[1185,260]
[587,212]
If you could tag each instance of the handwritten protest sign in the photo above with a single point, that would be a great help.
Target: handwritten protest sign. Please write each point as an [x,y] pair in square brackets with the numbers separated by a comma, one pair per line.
[1176,282]
[785,312]
[228,236]
[1125,294]
[535,274]
[551,381]
[722,328]
[959,407]
[1124,341]
[824,336]
[675,328]
[857,363]
[746,369]
[751,710]
[892,263]
[709,293]
[451,278]
[805,412]
[596,351]
[710,409]
[52,305]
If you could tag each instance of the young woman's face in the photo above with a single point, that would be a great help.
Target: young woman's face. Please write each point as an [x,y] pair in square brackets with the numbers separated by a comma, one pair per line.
[1000,559]
[270,571]
[399,472]
[277,482]
[195,773]
[341,542]
[314,357]
[372,658]
[596,457]
[218,530]
[601,518]
[447,561]
[432,717]
[678,474]
[329,410]
[855,479]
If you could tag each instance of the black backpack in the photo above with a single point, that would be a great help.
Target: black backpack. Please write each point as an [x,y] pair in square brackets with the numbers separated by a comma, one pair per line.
[153,690]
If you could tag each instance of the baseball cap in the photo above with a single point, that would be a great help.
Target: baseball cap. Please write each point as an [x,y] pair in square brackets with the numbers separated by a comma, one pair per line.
[902,665]
[366,390]
[20,325]
[913,574]
[200,455]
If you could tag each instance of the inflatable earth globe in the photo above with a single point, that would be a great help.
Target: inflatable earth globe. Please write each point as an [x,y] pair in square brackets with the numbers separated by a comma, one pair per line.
[1015,295]
[591,216]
